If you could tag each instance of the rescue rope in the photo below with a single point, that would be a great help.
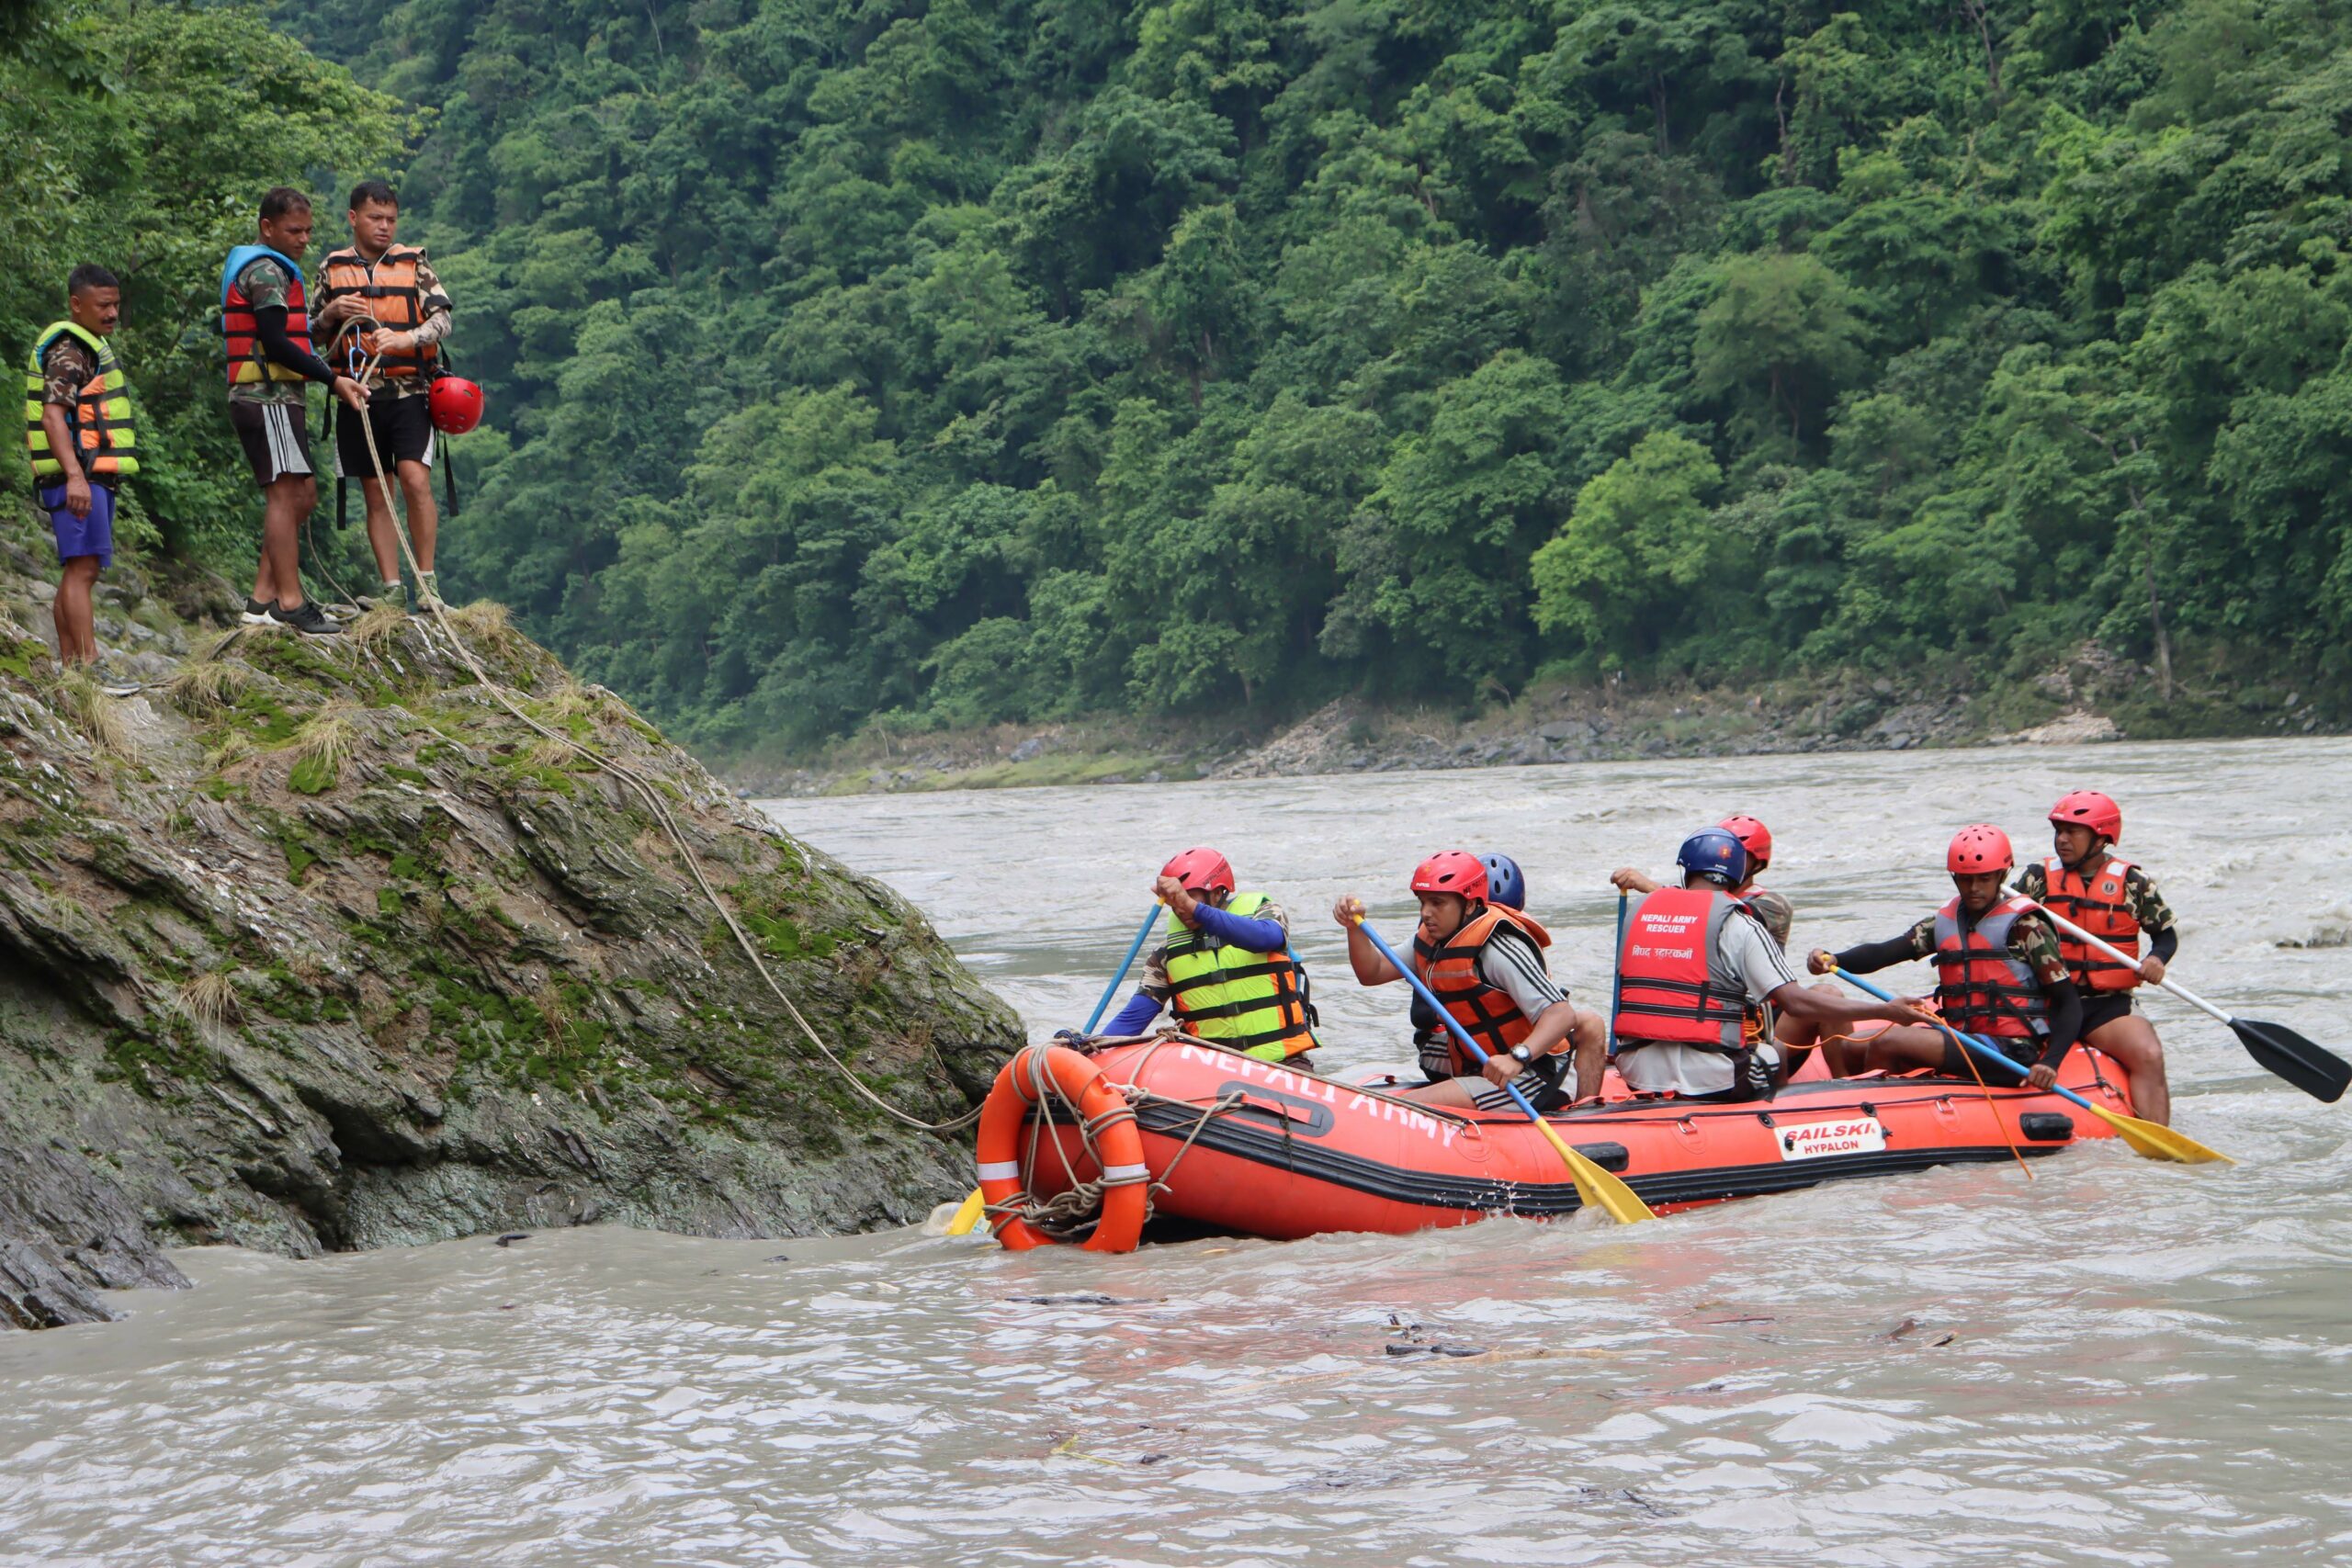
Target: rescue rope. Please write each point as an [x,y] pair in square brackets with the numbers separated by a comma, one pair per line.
[645,791]
[1993,1109]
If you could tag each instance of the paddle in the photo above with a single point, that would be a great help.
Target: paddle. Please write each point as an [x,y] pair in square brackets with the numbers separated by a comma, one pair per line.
[1617,970]
[2144,1138]
[969,1213]
[2314,1069]
[1595,1186]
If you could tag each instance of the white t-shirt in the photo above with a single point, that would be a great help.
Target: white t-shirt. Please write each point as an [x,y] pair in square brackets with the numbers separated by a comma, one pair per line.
[1746,958]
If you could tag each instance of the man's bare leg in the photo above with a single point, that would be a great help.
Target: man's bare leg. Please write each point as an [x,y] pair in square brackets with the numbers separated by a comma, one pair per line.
[77,637]
[2130,1041]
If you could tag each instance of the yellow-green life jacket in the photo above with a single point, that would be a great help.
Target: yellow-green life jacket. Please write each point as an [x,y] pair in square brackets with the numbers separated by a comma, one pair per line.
[1247,1001]
[105,439]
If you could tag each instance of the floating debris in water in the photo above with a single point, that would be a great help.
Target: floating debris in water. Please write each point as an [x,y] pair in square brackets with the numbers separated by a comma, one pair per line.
[511,1237]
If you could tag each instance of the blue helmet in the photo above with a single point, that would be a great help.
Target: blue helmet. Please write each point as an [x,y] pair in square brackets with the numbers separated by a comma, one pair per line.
[1714,854]
[1506,884]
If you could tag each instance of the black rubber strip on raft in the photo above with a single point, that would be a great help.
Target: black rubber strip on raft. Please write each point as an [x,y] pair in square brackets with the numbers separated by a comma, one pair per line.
[1266,1147]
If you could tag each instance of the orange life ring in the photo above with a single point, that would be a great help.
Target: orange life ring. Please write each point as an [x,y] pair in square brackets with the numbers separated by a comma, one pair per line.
[1117,1145]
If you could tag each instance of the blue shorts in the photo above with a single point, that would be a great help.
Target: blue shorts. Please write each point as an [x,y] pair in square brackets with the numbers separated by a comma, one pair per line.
[91,535]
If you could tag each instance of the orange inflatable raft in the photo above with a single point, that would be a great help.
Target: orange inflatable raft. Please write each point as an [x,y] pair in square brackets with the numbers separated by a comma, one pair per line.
[1091,1147]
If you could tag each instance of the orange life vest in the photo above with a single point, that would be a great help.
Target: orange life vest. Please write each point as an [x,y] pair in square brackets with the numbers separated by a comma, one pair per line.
[1665,988]
[389,290]
[1981,987]
[246,361]
[1450,970]
[2096,903]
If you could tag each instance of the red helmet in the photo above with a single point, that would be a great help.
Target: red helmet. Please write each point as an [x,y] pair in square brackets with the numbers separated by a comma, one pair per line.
[1451,871]
[1753,836]
[2088,808]
[1978,849]
[1201,868]
[455,404]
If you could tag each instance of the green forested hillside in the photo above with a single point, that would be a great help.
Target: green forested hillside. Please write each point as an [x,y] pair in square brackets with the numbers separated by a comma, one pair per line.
[929,363]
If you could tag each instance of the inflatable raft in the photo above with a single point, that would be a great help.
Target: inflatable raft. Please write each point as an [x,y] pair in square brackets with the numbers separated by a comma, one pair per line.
[1093,1145]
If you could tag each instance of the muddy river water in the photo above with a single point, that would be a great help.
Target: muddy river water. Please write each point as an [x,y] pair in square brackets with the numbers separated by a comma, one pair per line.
[2121,1362]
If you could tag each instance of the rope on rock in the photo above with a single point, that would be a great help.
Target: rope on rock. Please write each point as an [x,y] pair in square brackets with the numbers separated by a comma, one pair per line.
[645,791]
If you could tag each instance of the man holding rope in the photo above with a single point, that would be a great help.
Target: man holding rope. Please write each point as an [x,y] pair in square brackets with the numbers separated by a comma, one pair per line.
[382,302]
[266,322]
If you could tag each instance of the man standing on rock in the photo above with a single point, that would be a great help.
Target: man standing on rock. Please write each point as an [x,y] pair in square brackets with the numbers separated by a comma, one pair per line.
[384,298]
[265,320]
[84,441]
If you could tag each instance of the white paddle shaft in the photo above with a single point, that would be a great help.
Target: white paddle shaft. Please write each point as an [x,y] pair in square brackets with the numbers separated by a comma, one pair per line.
[2071,929]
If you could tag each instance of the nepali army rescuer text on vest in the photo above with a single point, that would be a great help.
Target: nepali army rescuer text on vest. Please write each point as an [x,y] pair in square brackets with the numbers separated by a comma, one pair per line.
[2088,883]
[265,318]
[382,300]
[1997,974]
[1483,962]
[83,442]
[1698,979]
[1223,968]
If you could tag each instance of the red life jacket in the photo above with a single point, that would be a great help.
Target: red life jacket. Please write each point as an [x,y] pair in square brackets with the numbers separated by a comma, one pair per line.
[246,361]
[1666,992]
[1451,972]
[2096,903]
[1981,987]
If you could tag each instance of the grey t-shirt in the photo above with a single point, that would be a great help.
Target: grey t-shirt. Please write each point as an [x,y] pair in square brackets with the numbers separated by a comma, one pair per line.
[1746,958]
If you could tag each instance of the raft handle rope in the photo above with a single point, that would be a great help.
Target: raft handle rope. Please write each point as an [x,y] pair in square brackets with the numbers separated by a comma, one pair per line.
[651,797]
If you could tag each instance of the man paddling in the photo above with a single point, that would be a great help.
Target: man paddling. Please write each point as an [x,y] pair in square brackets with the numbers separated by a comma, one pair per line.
[1700,982]
[1776,913]
[1483,962]
[2087,883]
[1998,974]
[1432,1041]
[1224,968]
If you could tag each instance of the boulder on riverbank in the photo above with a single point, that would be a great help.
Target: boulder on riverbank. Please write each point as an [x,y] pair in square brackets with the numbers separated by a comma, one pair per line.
[314,946]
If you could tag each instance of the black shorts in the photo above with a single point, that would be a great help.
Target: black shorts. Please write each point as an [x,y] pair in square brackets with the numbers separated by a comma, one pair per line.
[1960,1064]
[404,428]
[2103,1007]
[1543,1081]
[277,439]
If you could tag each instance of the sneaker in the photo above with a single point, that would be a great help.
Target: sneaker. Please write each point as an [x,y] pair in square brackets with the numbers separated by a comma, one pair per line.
[113,682]
[258,613]
[392,593]
[305,618]
[428,593]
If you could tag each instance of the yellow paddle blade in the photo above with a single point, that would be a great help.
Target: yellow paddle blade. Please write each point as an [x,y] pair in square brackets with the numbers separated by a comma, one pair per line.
[969,1215]
[1597,1186]
[2159,1142]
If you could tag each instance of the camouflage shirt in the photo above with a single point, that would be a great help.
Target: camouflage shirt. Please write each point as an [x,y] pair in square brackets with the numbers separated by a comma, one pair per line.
[264,285]
[2033,943]
[2140,895]
[65,369]
[1155,968]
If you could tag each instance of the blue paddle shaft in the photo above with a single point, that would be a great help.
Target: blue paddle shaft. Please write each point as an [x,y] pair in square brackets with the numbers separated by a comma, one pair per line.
[1972,1044]
[1617,971]
[1438,1007]
[1150,918]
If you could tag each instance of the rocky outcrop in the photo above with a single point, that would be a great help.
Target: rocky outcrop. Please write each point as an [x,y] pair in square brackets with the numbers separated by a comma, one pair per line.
[315,946]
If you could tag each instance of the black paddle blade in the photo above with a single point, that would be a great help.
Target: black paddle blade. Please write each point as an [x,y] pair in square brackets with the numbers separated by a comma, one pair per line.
[2318,1072]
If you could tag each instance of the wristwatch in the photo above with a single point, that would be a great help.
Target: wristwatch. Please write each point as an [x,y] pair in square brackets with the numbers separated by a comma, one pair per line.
[1520,1054]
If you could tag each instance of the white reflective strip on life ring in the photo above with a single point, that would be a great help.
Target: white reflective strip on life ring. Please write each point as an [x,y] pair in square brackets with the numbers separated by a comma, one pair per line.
[1001,1170]
[1120,1175]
